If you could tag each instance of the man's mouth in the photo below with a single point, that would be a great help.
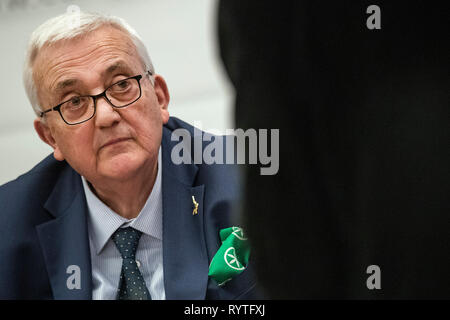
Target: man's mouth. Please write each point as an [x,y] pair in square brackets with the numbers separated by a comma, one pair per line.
[114,141]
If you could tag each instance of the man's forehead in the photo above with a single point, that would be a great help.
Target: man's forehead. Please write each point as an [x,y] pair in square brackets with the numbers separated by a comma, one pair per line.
[57,57]
[102,38]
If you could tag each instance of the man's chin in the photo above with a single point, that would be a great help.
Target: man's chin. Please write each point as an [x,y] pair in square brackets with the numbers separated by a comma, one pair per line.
[120,167]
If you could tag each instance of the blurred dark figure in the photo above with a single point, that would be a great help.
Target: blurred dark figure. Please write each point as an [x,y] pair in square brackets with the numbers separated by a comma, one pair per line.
[364,144]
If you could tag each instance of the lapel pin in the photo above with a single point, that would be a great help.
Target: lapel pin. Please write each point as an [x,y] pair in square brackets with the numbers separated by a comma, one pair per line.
[195,211]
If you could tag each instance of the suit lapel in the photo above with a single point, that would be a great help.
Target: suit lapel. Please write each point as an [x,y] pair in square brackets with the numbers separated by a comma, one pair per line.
[64,240]
[185,258]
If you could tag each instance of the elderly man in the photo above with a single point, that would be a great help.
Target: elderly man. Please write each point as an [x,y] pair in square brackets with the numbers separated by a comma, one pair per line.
[109,215]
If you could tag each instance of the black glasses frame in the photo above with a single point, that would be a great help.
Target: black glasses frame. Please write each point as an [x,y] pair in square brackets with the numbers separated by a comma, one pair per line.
[95,97]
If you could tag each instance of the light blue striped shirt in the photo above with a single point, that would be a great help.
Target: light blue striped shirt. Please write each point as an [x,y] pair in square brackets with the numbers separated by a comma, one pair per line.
[106,259]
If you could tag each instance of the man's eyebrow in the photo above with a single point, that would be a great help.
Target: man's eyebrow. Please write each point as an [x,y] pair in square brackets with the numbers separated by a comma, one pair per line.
[118,65]
[66,83]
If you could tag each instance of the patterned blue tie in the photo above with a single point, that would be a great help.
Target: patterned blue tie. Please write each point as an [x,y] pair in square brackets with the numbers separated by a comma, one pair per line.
[132,284]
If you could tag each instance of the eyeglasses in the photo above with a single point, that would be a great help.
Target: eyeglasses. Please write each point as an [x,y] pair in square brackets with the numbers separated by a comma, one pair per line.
[79,109]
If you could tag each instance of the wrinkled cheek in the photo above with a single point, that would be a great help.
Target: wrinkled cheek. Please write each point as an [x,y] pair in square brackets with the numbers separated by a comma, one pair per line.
[83,161]
[79,154]
[150,141]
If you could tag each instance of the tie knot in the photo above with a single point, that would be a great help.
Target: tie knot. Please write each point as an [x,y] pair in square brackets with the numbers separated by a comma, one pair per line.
[126,240]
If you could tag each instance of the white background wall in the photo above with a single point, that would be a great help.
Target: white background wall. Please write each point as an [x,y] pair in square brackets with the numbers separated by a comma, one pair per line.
[180,36]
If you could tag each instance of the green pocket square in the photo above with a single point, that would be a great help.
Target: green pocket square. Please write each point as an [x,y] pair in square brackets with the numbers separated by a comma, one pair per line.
[232,257]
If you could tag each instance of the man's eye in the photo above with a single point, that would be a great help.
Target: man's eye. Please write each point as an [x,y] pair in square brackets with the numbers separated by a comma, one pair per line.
[75,101]
[122,85]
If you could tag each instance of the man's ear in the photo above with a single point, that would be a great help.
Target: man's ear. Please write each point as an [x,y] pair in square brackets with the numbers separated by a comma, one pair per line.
[162,94]
[45,134]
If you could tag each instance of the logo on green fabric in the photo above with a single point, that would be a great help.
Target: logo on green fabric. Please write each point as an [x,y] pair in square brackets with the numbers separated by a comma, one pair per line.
[231,259]
[232,256]
[239,233]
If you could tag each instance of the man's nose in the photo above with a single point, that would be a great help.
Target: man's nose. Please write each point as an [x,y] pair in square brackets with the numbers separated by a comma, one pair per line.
[106,115]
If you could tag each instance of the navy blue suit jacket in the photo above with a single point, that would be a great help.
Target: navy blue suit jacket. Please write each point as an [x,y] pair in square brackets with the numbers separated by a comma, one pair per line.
[43,230]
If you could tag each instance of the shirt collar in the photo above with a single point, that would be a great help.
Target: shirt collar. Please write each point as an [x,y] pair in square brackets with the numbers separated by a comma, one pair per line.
[103,221]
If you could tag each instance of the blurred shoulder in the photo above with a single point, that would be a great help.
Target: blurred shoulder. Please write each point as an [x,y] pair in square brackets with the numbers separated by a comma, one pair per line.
[30,190]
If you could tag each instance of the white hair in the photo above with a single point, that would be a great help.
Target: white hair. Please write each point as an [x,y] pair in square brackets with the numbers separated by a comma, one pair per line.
[68,26]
